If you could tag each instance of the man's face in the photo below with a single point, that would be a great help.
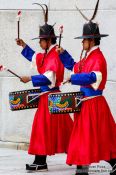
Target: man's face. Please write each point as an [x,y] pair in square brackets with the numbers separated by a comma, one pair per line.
[43,44]
[86,44]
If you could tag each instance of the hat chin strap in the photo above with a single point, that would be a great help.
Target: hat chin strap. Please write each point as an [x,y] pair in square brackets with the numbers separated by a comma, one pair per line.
[80,65]
[46,50]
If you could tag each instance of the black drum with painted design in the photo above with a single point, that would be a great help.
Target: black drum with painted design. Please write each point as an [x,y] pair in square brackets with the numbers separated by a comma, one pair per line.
[60,103]
[25,99]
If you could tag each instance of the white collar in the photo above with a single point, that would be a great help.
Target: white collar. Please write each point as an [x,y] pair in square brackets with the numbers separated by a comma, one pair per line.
[92,49]
[50,48]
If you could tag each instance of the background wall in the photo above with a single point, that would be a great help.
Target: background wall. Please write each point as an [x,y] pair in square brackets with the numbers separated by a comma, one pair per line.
[16,126]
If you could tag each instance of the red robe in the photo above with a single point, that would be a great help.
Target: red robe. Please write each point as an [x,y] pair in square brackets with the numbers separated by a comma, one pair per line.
[94,133]
[50,132]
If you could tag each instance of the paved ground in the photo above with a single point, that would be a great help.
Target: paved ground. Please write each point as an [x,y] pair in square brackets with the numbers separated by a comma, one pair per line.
[12,162]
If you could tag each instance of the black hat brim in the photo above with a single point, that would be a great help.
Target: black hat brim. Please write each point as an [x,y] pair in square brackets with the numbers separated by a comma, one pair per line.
[91,36]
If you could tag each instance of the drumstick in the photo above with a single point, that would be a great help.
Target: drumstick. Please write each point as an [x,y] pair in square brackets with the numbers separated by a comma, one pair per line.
[13,73]
[67,81]
[18,29]
[2,68]
[18,23]
[61,31]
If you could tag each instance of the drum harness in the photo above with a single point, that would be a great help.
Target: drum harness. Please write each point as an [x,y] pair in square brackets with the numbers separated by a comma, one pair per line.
[37,96]
[85,99]
[80,99]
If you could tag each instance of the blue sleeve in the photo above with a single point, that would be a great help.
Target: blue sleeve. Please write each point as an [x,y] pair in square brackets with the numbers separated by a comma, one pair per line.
[83,78]
[28,53]
[67,60]
[40,80]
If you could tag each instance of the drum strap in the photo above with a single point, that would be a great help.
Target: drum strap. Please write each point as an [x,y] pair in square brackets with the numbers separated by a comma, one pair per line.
[85,99]
[37,96]
[42,93]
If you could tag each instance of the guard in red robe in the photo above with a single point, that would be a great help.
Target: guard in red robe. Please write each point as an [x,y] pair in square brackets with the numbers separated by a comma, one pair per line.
[50,132]
[94,133]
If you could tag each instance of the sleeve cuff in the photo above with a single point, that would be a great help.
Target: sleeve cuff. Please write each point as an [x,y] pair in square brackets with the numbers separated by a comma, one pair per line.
[83,78]
[51,77]
[28,53]
[40,80]
[95,85]
[67,60]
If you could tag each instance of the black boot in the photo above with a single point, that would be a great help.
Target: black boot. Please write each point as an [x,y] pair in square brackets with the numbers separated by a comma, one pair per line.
[39,164]
[40,159]
[82,170]
[112,162]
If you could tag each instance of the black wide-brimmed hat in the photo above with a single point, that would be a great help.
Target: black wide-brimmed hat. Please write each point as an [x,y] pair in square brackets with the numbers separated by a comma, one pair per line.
[46,31]
[91,29]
